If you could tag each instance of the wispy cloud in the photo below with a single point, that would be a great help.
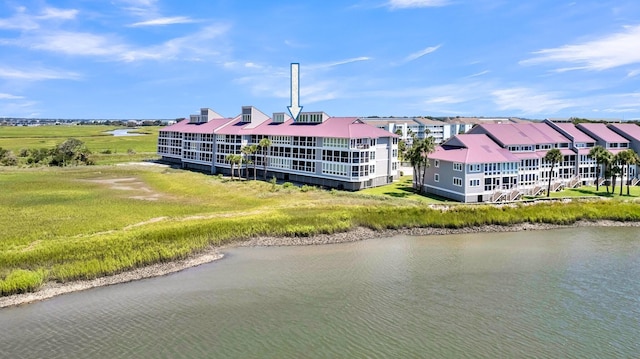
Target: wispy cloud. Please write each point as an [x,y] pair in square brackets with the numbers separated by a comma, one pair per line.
[479,73]
[419,54]
[7,96]
[193,47]
[112,48]
[23,20]
[610,51]
[407,4]
[37,74]
[163,21]
[339,62]
[633,73]
[140,8]
[528,101]
[58,14]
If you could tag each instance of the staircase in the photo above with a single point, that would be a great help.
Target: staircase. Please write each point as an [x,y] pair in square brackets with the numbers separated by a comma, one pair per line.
[496,196]
[635,181]
[514,195]
[574,182]
[537,190]
[557,186]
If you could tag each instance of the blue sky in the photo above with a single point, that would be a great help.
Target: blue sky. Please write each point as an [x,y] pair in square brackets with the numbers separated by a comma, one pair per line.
[167,59]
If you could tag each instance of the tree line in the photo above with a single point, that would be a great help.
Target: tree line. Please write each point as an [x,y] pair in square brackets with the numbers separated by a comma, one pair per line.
[72,152]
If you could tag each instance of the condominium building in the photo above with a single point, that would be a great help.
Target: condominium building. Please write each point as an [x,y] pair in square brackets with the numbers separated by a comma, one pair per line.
[316,149]
[496,162]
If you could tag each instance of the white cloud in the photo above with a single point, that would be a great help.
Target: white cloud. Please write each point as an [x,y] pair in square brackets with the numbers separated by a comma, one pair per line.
[444,100]
[162,21]
[22,20]
[60,14]
[191,47]
[339,62]
[633,73]
[7,96]
[528,101]
[419,54]
[407,4]
[480,73]
[76,43]
[111,48]
[37,74]
[614,50]
[140,8]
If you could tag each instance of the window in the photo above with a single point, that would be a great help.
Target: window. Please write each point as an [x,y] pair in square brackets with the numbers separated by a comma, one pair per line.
[475,168]
[457,166]
[436,163]
[474,183]
[457,181]
[436,177]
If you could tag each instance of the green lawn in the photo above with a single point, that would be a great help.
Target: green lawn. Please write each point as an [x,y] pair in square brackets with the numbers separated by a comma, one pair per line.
[590,191]
[403,188]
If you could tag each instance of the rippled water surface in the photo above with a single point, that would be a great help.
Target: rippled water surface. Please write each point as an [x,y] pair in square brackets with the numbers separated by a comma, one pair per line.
[571,293]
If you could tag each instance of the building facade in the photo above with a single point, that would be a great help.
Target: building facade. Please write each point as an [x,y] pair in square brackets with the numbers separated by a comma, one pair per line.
[316,149]
[508,162]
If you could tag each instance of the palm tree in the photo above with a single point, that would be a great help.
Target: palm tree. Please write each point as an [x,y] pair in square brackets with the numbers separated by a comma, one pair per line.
[615,171]
[620,162]
[552,156]
[234,160]
[253,150]
[264,144]
[634,159]
[418,156]
[598,153]
[607,161]
[246,151]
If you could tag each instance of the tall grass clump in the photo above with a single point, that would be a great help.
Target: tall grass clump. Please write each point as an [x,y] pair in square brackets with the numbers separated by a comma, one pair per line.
[21,281]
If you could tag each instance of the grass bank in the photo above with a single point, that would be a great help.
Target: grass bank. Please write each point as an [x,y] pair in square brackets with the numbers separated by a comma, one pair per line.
[66,224]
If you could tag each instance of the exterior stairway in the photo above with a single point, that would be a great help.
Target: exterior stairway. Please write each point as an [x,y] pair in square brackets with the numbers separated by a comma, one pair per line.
[537,190]
[514,195]
[574,182]
[556,186]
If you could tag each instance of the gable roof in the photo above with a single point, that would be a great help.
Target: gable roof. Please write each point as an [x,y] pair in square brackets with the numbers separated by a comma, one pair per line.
[630,131]
[339,127]
[472,148]
[525,133]
[185,126]
[573,131]
[602,132]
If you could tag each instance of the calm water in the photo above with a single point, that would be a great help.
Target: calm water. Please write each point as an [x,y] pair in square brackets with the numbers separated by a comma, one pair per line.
[549,294]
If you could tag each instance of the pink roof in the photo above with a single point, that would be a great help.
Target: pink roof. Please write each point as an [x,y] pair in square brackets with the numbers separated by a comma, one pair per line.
[206,127]
[631,130]
[602,132]
[339,127]
[528,155]
[567,152]
[476,148]
[524,133]
[578,136]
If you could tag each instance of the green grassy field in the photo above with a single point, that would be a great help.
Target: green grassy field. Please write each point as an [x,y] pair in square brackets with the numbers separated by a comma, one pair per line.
[122,148]
[71,223]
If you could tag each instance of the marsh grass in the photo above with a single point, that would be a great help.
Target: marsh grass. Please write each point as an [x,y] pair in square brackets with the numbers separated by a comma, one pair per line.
[106,148]
[65,224]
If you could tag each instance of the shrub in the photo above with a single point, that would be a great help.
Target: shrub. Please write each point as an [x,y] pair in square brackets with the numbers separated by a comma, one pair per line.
[287,185]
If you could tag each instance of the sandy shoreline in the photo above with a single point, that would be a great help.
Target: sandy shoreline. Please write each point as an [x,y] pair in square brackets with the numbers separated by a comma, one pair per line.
[52,289]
